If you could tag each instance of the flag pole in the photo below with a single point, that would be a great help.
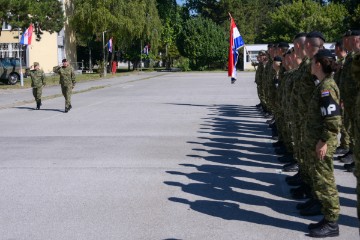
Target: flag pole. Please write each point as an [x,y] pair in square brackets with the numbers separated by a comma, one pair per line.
[19,46]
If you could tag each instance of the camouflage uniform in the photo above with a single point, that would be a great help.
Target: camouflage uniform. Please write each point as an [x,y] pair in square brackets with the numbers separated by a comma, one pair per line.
[268,76]
[282,122]
[348,94]
[259,82]
[355,68]
[295,124]
[323,120]
[67,81]
[345,138]
[303,88]
[287,108]
[37,82]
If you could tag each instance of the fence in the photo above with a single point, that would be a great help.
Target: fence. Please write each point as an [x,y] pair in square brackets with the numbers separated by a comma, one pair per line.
[10,50]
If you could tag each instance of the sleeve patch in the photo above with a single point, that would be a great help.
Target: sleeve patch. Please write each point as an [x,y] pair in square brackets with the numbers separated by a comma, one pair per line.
[325,93]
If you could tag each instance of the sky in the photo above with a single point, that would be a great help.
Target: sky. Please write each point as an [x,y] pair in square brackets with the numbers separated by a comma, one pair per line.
[179,2]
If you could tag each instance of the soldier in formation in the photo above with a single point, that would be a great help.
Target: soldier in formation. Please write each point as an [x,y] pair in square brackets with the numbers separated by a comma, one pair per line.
[309,100]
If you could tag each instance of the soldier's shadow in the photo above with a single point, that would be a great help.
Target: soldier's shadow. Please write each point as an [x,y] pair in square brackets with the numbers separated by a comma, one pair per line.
[41,109]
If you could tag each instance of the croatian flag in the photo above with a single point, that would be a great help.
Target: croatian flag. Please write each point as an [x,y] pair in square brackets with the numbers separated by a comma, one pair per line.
[26,37]
[236,42]
[110,45]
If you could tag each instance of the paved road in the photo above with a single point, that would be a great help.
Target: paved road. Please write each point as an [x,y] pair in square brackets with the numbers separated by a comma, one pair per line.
[151,156]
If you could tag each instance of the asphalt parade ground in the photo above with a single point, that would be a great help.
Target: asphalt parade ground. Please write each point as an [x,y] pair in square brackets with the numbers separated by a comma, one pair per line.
[149,156]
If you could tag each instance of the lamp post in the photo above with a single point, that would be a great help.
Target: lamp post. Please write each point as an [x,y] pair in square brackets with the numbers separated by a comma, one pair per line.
[103,35]
[19,52]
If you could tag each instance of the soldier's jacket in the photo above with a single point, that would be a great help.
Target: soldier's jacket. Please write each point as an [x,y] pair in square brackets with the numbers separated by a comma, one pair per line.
[347,84]
[37,77]
[267,79]
[288,90]
[259,73]
[67,75]
[323,117]
[355,70]
[338,72]
[305,88]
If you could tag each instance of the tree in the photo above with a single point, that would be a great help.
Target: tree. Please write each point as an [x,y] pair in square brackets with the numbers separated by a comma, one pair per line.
[170,15]
[126,21]
[45,15]
[203,42]
[304,16]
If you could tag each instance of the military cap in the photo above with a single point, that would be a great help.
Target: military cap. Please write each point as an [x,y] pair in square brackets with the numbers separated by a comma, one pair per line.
[324,53]
[64,60]
[283,45]
[270,45]
[36,64]
[262,53]
[277,59]
[355,33]
[299,35]
[347,33]
[315,34]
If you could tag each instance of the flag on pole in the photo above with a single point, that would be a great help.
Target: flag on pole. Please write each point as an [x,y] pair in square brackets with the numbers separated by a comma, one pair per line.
[26,37]
[110,45]
[236,42]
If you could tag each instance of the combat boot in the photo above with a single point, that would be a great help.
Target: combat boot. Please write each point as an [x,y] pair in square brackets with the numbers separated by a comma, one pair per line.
[307,204]
[341,151]
[324,228]
[278,144]
[38,104]
[286,158]
[301,192]
[291,167]
[66,110]
[350,167]
[313,210]
[347,159]
[295,180]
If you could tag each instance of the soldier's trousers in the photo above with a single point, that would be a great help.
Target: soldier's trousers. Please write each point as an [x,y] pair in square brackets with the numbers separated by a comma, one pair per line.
[323,182]
[345,137]
[349,117]
[37,92]
[67,91]
[357,154]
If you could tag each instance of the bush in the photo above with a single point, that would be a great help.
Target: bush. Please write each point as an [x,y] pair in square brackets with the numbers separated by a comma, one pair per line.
[183,63]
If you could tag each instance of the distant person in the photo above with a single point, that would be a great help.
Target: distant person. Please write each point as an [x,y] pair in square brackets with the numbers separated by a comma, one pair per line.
[113,67]
[37,82]
[67,81]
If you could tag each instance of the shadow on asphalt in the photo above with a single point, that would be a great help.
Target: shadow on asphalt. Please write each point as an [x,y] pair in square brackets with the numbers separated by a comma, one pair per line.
[41,109]
[224,180]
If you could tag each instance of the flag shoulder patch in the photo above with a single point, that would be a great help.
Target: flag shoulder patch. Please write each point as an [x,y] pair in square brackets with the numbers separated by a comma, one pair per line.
[325,93]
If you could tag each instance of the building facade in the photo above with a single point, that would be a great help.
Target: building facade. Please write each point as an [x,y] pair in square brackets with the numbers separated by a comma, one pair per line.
[49,51]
